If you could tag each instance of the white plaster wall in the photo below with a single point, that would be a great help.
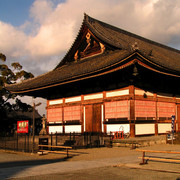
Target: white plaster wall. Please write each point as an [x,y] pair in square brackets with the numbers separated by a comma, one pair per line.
[141,92]
[93,96]
[73,99]
[73,128]
[54,129]
[118,127]
[141,129]
[163,127]
[117,93]
[52,102]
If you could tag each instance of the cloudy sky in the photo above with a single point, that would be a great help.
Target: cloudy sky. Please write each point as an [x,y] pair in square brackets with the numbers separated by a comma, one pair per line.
[37,33]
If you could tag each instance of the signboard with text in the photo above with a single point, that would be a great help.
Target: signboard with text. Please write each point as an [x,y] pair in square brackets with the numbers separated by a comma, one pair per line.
[22,126]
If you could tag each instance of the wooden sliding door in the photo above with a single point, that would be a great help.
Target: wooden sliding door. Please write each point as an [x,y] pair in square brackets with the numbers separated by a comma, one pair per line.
[93,118]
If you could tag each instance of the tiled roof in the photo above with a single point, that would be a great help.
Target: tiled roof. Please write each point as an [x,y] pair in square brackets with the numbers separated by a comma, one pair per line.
[123,42]
[158,53]
[74,70]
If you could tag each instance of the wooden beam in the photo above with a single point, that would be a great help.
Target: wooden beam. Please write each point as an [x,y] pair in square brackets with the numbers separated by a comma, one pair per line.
[153,151]
[64,147]
[161,159]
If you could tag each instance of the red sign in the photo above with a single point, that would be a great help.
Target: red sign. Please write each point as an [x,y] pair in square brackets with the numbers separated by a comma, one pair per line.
[22,126]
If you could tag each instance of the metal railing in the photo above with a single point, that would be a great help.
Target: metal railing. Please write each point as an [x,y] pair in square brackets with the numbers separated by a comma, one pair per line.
[24,142]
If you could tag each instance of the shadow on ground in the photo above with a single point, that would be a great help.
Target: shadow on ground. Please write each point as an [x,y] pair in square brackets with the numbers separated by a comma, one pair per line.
[30,162]
[10,168]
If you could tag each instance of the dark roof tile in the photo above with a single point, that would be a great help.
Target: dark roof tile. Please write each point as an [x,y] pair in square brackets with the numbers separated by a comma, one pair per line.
[122,41]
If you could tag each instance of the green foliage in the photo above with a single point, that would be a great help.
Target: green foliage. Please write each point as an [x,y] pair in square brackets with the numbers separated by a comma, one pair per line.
[16,65]
[2,57]
[10,75]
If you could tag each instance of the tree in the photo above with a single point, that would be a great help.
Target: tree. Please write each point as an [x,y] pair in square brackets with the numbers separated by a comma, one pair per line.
[10,75]
[2,57]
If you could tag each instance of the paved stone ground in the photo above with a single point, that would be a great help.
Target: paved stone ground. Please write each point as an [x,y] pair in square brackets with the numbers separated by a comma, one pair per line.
[97,163]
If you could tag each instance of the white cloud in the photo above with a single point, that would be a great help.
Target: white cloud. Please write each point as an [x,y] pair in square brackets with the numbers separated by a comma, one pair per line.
[53,27]
[40,10]
[11,40]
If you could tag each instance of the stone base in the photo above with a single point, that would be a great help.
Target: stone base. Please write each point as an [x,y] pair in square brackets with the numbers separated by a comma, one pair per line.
[43,132]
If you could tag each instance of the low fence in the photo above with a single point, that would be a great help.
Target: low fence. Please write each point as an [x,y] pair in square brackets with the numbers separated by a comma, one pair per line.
[17,142]
[24,142]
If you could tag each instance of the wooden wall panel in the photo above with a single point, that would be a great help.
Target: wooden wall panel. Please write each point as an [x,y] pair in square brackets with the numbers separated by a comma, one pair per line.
[165,109]
[145,108]
[54,115]
[72,113]
[96,126]
[89,117]
[93,118]
[117,109]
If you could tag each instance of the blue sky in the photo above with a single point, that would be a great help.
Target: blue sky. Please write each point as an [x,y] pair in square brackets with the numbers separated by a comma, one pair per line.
[38,33]
[15,12]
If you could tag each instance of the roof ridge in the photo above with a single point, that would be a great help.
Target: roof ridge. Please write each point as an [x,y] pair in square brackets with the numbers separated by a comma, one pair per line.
[89,21]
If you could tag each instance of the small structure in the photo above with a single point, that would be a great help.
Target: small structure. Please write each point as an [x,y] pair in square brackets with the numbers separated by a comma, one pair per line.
[43,130]
[110,78]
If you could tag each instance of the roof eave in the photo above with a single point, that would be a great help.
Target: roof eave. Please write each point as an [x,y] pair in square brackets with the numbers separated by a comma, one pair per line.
[123,63]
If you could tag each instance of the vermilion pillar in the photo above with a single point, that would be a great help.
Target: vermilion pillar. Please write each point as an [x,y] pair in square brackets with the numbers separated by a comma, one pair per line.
[132,110]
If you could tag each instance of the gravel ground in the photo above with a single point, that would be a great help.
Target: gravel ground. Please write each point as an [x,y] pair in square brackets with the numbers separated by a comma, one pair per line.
[96,163]
[108,173]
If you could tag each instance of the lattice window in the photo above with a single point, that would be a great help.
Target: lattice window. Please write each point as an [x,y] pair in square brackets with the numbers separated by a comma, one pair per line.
[145,108]
[117,109]
[54,115]
[72,113]
[165,109]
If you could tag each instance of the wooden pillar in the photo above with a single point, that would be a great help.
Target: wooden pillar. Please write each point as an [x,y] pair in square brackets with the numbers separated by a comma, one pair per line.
[63,115]
[82,114]
[156,118]
[47,123]
[132,110]
[105,126]
[104,97]
[175,123]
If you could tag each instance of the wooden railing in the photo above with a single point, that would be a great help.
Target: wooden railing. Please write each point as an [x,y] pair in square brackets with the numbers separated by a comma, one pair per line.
[50,149]
[145,157]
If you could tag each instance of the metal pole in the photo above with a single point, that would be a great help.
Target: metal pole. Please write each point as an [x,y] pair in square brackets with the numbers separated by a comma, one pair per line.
[17,142]
[5,141]
[28,143]
[25,150]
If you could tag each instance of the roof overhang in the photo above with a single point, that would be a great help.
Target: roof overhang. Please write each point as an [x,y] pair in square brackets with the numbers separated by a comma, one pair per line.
[134,58]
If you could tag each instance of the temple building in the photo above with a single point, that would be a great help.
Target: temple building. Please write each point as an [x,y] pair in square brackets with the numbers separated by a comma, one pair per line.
[110,80]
